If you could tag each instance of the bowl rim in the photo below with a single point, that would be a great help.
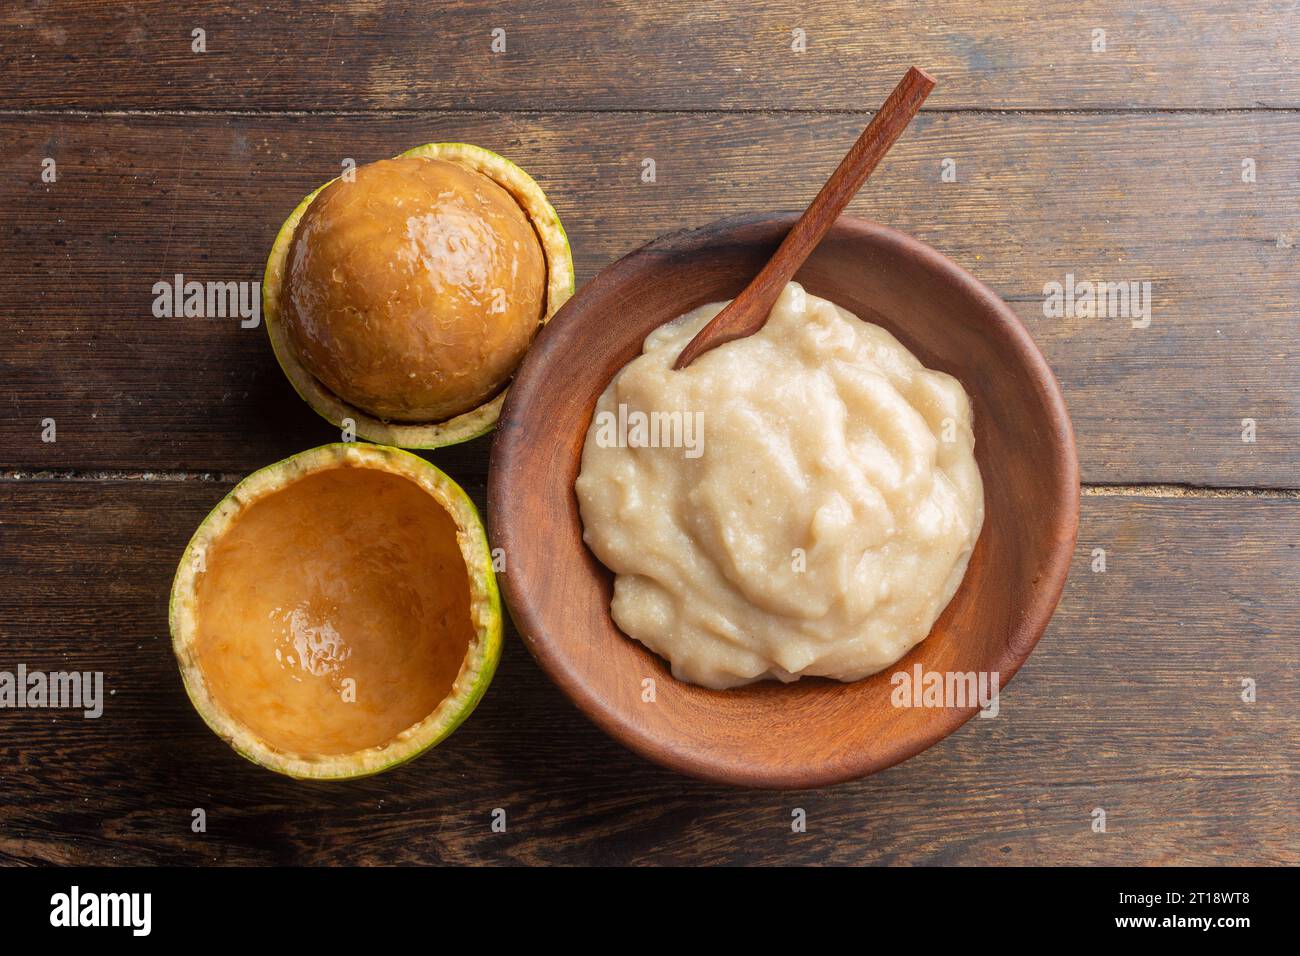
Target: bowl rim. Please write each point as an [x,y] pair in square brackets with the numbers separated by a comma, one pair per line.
[1036,613]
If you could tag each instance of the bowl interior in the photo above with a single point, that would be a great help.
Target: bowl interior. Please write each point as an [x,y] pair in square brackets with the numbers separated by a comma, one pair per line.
[815,731]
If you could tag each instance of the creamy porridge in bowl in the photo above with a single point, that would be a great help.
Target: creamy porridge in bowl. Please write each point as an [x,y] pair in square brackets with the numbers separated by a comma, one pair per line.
[800,502]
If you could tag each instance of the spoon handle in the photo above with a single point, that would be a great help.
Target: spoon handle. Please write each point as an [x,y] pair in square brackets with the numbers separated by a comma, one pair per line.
[746,313]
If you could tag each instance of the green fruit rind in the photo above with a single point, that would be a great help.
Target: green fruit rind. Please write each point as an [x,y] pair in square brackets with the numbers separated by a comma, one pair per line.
[478,421]
[485,608]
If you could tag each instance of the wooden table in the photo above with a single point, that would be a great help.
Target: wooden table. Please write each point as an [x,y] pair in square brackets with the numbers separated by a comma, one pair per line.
[1128,164]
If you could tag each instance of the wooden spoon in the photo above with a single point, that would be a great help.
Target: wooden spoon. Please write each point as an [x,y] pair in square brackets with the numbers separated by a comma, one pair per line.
[747,312]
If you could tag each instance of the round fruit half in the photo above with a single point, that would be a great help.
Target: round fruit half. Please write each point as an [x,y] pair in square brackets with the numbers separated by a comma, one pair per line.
[383,422]
[336,614]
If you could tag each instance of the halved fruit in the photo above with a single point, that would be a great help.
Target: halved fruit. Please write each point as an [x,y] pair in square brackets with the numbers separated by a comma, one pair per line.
[403,298]
[337,614]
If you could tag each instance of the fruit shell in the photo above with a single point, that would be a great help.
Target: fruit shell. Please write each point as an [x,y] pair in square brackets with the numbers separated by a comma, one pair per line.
[477,421]
[476,671]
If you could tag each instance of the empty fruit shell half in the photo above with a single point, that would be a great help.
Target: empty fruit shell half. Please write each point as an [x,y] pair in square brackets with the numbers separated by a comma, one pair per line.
[337,614]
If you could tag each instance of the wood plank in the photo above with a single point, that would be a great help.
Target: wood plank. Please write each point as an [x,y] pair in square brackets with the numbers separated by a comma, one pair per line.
[673,54]
[1130,703]
[1154,198]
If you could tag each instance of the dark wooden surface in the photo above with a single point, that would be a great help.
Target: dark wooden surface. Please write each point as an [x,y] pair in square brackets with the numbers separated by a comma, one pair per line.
[1129,703]
[1123,165]
[1152,196]
[748,311]
[671,54]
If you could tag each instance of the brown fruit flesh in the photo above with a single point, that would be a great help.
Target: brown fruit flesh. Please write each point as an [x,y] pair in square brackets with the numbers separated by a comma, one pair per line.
[413,292]
[351,573]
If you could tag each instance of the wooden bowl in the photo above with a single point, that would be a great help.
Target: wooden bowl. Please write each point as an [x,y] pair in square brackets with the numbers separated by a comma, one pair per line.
[813,732]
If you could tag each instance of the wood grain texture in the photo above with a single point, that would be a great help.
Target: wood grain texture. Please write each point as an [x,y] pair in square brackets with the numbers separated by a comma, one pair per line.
[1154,198]
[748,311]
[1129,703]
[672,54]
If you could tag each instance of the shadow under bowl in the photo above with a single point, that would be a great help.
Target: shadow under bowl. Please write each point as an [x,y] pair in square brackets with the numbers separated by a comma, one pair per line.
[813,732]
